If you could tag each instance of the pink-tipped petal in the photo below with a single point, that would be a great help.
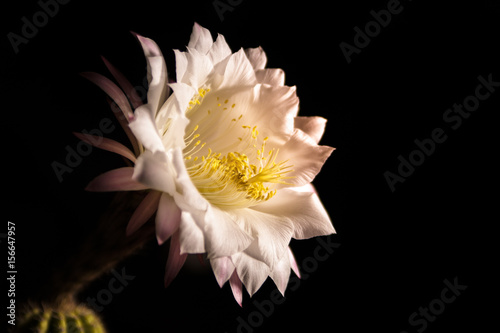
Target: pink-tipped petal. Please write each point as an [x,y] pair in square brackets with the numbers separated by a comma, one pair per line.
[223,268]
[168,218]
[144,211]
[125,84]
[158,89]
[175,259]
[293,263]
[106,144]
[236,287]
[115,180]
[112,90]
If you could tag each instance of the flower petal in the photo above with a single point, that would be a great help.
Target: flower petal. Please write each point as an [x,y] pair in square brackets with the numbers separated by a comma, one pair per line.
[223,268]
[252,272]
[115,180]
[124,83]
[304,209]
[152,170]
[201,39]
[306,157]
[238,72]
[175,260]
[106,144]
[192,239]
[112,91]
[181,63]
[143,212]
[219,51]
[157,73]
[236,288]
[223,236]
[272,76]
[312,126]
[281,273]
[187,196]
[257,57]
[144,129]
[124,124]
[199,66]
[293,263]
[272,234]
[168,218]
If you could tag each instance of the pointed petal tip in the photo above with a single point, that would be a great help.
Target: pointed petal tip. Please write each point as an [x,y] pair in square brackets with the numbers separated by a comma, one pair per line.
[236,288]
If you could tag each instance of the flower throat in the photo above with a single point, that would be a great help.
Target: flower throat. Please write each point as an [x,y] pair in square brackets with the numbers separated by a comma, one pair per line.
[241,178]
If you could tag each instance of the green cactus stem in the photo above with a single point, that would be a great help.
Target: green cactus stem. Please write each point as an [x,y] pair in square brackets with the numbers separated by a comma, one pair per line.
[68,318]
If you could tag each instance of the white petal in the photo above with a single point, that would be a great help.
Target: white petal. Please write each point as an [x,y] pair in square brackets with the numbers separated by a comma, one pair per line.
[304,209]
[306,157]
[223,236]
[257,57]
[275,108]
[281,273]
[312,126]
[180,64]
[271,108]
[187,196]
[201,39]
[191,235]
[157,73]
[168,218]
[252,272]
[272,76]
[219,50]
[153,170]
[238,72]
[199,66]
[144,128]
[223,269]
[272,234]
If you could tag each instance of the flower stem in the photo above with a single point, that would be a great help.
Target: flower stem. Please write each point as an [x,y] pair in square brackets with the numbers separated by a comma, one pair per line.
[104,247]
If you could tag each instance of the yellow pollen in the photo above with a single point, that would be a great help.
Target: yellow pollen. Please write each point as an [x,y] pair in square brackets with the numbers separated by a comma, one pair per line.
[246,173]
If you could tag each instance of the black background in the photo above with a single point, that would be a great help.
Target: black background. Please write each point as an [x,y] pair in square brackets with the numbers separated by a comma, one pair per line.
[396,248]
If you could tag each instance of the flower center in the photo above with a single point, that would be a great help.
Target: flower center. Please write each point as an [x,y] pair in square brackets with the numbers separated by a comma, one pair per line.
[244,175]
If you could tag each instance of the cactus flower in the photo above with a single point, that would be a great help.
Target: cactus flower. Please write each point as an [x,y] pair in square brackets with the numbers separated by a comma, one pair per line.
[226,158]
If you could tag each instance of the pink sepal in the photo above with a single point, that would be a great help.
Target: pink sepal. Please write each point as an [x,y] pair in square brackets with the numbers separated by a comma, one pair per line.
[144,211]
[115,180]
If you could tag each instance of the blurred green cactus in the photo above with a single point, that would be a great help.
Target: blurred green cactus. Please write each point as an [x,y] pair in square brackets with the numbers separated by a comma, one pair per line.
[66,319]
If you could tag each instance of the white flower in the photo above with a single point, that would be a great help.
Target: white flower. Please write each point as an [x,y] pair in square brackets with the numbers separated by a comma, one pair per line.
[228,161]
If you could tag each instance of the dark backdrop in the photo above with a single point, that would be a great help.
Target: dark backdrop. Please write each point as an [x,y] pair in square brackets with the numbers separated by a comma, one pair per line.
[394,247]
